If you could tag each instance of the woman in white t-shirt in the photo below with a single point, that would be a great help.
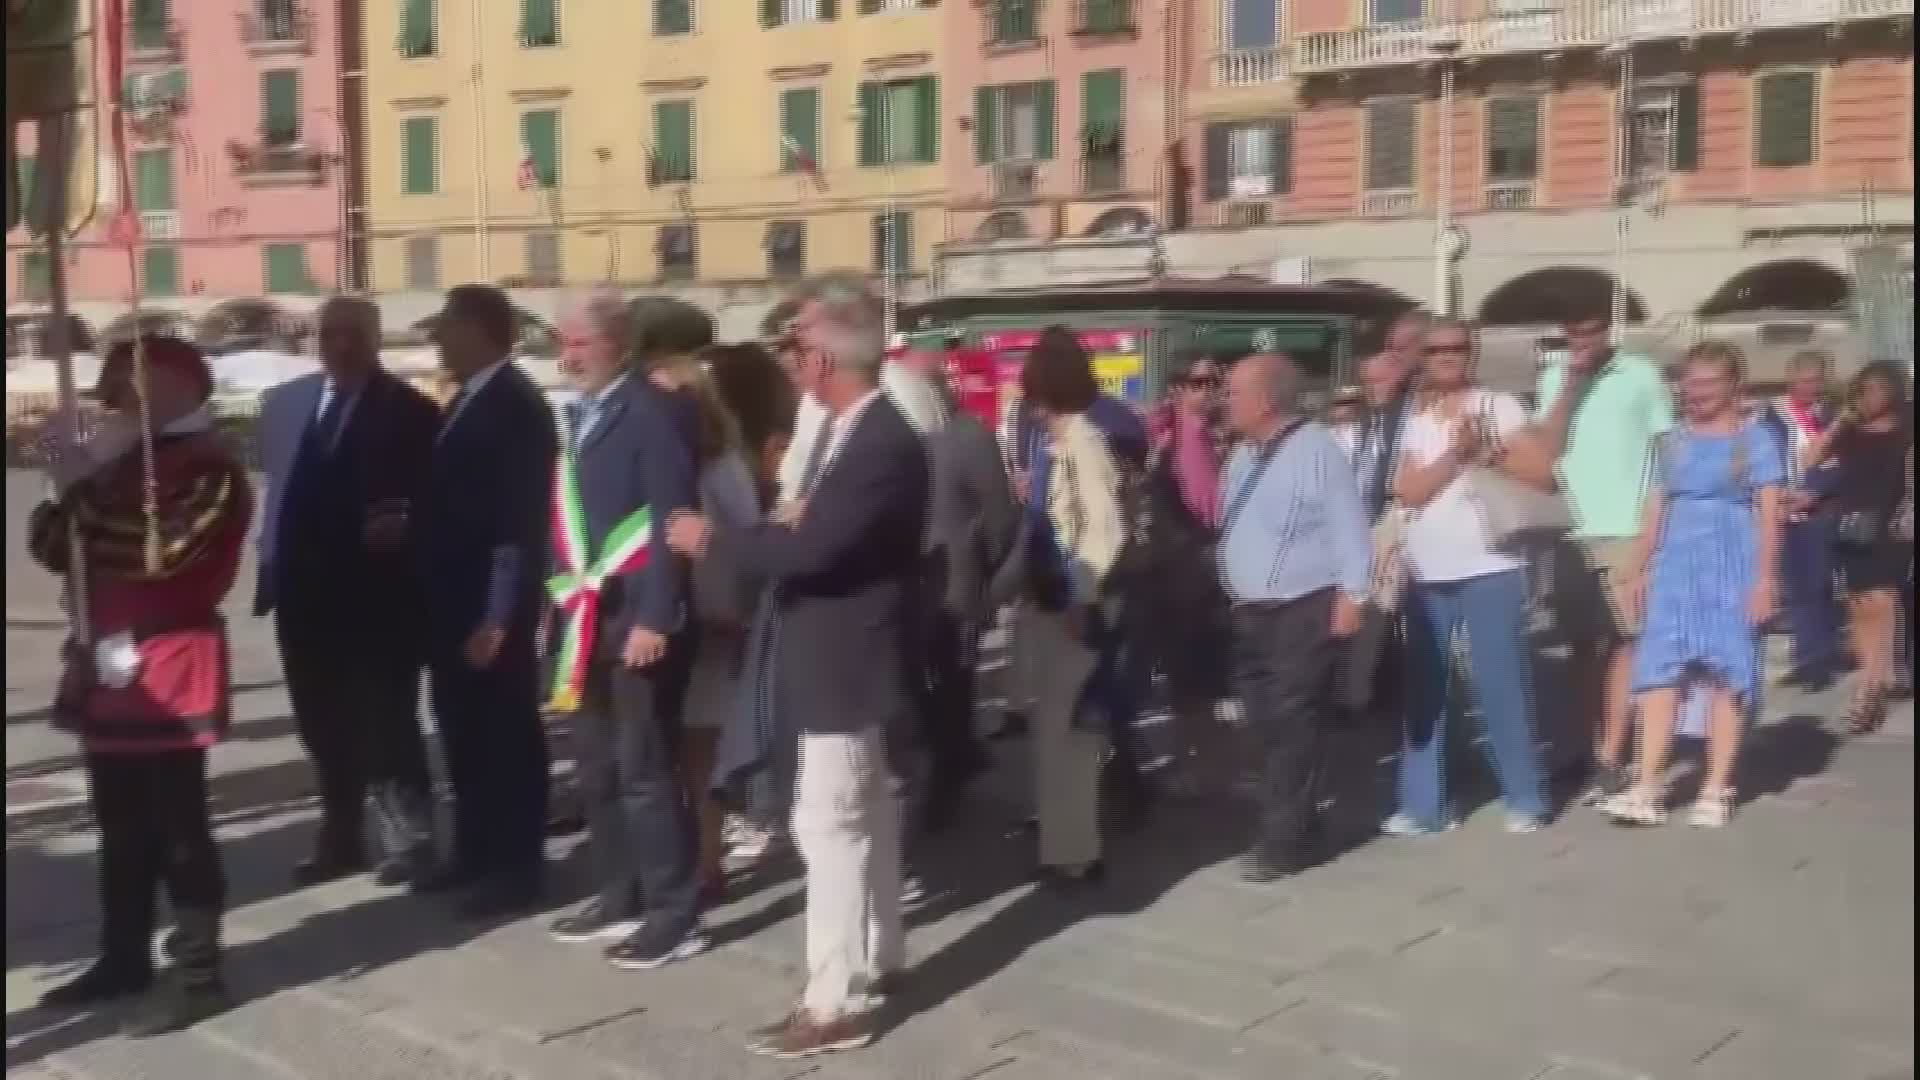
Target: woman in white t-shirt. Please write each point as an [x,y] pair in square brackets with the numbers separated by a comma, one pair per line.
[1461,584]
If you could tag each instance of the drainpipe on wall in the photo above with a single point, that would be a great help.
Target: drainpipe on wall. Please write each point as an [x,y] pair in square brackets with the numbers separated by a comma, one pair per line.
[352,117]
[477,83]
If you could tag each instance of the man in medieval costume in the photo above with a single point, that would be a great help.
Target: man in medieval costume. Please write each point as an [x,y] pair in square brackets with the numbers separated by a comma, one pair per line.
[161,507]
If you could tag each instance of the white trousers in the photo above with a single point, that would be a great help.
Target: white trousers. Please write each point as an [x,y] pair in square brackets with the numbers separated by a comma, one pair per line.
[846,824]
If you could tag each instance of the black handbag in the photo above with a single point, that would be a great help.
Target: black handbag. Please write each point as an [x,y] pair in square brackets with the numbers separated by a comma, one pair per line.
[1861,529]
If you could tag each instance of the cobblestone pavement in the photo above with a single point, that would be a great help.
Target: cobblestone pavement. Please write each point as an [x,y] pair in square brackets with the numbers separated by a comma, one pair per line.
[1777,949]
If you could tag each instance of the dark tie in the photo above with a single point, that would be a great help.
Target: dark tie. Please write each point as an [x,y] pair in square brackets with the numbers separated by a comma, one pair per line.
[816,458]
[326,426]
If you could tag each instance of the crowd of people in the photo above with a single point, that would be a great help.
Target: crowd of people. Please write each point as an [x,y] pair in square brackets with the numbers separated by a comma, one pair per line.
[752,582]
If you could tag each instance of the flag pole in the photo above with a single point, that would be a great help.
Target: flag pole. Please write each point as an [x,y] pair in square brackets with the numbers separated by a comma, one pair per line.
[58,131]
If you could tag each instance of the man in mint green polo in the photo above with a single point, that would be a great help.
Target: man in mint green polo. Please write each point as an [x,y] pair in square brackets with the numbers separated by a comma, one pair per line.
[1601,413]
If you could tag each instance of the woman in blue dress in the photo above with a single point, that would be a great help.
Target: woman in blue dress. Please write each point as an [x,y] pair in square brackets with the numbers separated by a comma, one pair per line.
[1708,552]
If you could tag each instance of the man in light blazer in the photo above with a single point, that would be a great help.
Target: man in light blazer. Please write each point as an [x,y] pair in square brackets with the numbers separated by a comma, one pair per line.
[347,449]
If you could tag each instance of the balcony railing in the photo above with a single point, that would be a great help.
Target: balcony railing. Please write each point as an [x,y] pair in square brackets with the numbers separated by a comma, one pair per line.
[153,39]
[276,27]
[1250,67]
[1103,174]
[1510,195]
[1103,17]
[1015,181]
[158,226]
[1588,24]
[1392,202]
[273,160]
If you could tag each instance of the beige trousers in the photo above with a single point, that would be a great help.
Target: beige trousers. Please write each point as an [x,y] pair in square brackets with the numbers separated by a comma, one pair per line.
[1066,759]
[846,824]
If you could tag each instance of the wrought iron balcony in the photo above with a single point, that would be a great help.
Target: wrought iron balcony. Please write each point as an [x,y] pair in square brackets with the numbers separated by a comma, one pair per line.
[1250,67]
[276,26]
[1389,202]
[1016,181]
[1510,195]
[1578,24]
[275,160]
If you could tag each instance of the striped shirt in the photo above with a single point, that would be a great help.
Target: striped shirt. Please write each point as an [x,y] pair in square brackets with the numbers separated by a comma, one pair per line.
[1301,528]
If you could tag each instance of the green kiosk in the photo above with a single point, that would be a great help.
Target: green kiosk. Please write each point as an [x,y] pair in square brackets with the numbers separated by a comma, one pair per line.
[1134,331]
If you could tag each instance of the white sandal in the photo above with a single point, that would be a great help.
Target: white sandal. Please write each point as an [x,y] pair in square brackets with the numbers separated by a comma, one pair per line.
[1635,806]
[1712,809]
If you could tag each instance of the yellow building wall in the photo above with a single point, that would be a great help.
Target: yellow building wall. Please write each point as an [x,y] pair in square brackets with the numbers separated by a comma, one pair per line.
[603,78]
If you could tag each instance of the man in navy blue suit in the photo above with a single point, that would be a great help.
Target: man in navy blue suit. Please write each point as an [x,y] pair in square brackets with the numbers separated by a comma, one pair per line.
[483,542]
[622,644]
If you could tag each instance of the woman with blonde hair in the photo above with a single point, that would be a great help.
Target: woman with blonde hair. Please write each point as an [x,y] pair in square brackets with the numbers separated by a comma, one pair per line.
[1706,580]
[671,341]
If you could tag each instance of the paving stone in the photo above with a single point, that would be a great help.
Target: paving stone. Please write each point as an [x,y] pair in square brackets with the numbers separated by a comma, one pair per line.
[432,1018]
[1721,993]
[676,1053]
[185,1055]
[1761,1054]
[1379,1040]
[319,1040]
[1155,979]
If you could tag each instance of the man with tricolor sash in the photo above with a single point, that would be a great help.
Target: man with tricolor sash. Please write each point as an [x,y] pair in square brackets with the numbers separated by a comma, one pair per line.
[620,644]
[1811,606]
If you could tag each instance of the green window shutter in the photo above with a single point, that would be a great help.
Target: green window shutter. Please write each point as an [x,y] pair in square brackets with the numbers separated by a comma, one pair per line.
[1390,136]
[872,108]
[286,269]
[1043,111]
[829,10]
[673,140]
[160,271]
[1014,20]
[926,119]
[1513,139]
[149,23]
[420,155]
[540,141]
[153,180]
[280,108]
[769,13]
[416,28]
[26,173]
[1787,106]
[799,126]
[672,17]
[986,125]
[36,272]
[1280,147]
[893,243]
[1686,127]
[1102,110]
[539,23]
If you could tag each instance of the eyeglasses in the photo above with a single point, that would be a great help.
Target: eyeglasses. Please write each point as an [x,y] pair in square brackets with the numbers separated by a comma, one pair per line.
[1448,349]
[1198,382]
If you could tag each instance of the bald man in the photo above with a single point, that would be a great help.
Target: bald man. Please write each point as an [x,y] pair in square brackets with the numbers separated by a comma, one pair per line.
[347,449]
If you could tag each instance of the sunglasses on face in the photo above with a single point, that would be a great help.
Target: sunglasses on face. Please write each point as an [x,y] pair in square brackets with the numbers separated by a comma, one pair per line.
[1199,382]
[1447,349]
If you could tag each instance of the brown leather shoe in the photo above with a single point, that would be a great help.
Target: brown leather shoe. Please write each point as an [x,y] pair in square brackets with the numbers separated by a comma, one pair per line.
[801,1036]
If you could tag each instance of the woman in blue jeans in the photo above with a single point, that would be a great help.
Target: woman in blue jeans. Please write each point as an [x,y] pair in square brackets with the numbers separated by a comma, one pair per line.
[1459,583]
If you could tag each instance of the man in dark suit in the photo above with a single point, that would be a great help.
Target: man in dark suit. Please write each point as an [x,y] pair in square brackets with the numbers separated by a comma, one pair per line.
[347,451]
[846,559]
[624,615]
[484,547]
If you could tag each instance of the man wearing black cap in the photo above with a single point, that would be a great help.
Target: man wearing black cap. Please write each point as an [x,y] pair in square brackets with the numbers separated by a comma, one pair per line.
[161,508]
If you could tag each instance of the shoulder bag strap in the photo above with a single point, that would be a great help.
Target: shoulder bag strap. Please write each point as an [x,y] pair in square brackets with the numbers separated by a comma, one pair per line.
[1245,493]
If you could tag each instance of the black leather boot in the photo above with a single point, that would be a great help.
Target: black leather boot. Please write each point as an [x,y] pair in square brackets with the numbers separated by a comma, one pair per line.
[193,989]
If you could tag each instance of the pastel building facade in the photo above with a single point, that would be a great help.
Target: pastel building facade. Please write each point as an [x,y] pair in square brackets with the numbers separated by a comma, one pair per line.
[238,149]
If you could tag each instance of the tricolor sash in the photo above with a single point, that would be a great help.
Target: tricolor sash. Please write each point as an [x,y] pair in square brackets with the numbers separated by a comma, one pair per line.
[576,588]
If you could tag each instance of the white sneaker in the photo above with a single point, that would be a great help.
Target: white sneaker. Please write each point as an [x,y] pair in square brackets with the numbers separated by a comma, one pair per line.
[1521,824]
[1402,825]
[1712,810]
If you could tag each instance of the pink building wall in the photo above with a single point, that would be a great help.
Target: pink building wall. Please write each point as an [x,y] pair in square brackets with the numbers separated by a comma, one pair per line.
[225,219]
[1065,57]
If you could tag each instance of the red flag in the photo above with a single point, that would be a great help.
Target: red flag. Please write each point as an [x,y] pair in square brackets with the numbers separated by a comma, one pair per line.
[804,162]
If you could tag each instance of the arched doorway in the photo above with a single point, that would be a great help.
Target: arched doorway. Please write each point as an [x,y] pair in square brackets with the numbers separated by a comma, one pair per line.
[1786,285]
[1548,296]
[1002,225]
[1122,222]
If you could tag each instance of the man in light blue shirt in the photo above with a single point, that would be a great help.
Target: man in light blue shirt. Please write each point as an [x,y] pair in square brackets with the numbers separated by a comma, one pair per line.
[1294,553]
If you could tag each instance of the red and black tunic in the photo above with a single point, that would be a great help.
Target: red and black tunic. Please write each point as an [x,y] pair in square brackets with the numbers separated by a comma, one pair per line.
[179,697]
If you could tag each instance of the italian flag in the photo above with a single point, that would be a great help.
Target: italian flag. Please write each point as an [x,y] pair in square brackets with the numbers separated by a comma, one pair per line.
[576,588]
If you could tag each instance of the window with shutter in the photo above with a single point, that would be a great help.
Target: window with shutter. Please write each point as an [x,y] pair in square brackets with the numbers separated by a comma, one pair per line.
[1390,137]
[1014,21]
[543,257]
[803,11]
[153,180]
[893,243]
[280,107]
[148,24]
[540,143]
[423,263]
[420,155]
[1513,140]
[986,124]
[1398,11]
[1102,111]
[1103,16]
[800,129]
[1788,105]
[673,142]
[926,119]
[1023,122]
[672,17]
[160,271]
[1250,161]
[900,113]
[679,253]
[419,29]
[286,269]
[539,23]
[1252,24]
[786,249]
